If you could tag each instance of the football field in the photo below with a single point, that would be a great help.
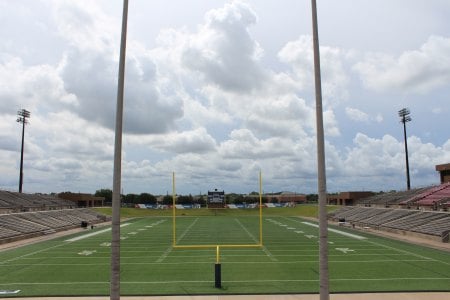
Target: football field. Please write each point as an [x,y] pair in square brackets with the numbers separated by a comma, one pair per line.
[287,262]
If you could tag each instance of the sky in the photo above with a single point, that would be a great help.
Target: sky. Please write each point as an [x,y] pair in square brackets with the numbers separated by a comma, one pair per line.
[218,91]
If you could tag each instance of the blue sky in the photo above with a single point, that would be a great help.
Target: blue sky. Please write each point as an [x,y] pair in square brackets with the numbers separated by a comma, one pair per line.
[218,90]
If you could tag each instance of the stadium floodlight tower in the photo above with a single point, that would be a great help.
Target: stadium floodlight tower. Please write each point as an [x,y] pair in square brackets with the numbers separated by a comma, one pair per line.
[404,118]
[22,116]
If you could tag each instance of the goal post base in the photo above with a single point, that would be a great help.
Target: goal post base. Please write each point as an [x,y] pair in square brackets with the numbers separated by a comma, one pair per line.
[218,276]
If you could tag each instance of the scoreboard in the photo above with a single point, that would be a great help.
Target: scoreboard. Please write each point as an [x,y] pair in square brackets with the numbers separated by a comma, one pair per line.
[216,197]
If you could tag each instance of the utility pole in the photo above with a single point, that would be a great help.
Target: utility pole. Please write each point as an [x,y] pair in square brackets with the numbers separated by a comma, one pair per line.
[321,170]
[22,116]
[404,118]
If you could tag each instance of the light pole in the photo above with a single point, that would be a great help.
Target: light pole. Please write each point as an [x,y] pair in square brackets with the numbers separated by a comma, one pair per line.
[22,116]
[404,117]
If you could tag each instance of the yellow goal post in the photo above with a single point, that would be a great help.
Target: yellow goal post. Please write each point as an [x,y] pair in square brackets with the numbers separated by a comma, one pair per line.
[214,246]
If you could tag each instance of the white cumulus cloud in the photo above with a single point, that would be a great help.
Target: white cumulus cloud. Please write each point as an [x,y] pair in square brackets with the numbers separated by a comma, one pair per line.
[415,71]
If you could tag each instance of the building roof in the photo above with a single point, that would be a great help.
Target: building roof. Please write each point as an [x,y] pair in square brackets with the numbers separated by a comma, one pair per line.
[443,167]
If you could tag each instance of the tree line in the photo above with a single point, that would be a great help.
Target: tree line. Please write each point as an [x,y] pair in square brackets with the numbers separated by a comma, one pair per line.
[147,198]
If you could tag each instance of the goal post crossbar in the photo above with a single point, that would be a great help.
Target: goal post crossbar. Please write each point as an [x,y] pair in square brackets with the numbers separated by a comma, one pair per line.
[216,245]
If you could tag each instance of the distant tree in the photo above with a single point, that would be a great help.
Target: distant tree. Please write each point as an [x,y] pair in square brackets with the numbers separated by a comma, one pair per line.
[185,199]
[239,199]
[234,198]
[107,193]
[312,198]
[146,198]
[248,199]
[201,200]
[131,199]
[229,198]
[167,200]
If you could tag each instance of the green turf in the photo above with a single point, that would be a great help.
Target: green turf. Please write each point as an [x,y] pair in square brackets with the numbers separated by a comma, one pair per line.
[300,210]
[288,262]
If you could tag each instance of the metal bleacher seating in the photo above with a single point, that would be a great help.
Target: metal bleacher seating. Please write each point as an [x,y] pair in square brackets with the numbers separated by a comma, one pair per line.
[390,198]
[20,202]
[27,224]
[429,196]
[28,215]
[6,233]
[425,222]
[435,227]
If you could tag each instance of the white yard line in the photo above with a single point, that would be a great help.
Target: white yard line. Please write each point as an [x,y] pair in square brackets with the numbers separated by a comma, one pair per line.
[265,250]
[164,255]
[378,244]
[186,231]
[354,236]
[409,253]
[226,281]
[29,254]
[229,263]
[168,250]
[59,245]
[92,234]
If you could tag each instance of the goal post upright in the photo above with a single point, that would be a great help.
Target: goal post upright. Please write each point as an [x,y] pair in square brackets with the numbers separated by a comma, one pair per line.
[218,276]
[174,196]
[260,210]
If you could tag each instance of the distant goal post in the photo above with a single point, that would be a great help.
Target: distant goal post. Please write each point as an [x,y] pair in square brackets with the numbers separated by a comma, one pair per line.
[258,243]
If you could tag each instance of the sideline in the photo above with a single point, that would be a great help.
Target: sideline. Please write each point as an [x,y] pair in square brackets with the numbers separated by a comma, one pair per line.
[360,296]
[358,237]
[84,236]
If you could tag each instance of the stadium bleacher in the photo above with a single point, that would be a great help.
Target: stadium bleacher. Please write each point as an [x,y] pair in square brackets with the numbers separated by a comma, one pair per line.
[390,198]
[405,220]
[17,226]
[28,215]
[20,202]
[430,197]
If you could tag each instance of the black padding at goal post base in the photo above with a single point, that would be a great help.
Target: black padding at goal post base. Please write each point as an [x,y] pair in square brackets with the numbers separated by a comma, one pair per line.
[218,276]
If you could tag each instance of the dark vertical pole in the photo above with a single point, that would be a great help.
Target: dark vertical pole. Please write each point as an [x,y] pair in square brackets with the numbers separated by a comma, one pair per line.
[217,276]
[218,270]
[115,235]
[321,178]
[404,115]
[408,181]
[22,116]
[21,157]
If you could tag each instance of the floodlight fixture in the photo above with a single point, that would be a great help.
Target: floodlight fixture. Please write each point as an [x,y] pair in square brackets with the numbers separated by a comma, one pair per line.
[22,116]
[404,115]
[404,118]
